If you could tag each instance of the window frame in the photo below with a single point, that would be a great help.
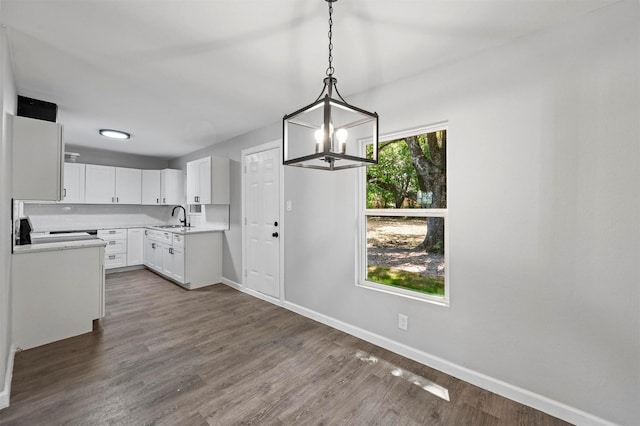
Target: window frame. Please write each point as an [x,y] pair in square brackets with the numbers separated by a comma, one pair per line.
[364,212]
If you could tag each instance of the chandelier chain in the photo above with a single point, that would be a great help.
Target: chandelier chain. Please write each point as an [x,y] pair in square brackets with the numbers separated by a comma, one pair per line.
[330,69]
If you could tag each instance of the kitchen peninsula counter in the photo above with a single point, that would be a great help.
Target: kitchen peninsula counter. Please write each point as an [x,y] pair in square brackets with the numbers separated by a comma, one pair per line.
[57,292]
[61,245]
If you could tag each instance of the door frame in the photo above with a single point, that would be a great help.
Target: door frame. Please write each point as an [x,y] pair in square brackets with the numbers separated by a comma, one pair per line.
[277,144]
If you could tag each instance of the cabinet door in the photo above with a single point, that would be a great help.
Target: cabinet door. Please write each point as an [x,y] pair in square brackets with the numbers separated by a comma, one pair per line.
[193,182]
[204,178]
[178,264]
[146,252]
[99,184]
[73,191]
[135,244]
[167,259]
[172,186]
[153,255]
[128,186]
[38,155]
[151,187]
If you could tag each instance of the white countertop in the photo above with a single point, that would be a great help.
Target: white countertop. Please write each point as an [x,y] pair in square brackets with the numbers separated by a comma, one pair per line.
[62,245]
[188,230]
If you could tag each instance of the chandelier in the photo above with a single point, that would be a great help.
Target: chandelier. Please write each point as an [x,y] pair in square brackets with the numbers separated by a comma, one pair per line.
[330,134]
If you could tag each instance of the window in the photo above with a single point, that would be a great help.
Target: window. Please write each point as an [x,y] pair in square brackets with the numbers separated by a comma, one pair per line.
[404,216]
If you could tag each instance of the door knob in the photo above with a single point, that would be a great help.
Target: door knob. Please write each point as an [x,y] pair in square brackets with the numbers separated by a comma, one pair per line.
[275,235]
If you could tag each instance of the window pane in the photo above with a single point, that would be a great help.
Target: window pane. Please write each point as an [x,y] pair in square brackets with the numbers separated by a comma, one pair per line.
[411,173]
[397,254]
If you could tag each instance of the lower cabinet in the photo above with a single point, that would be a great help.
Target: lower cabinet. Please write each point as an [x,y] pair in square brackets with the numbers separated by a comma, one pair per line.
[192,260]
[124,247]
[135,249]
[115,253]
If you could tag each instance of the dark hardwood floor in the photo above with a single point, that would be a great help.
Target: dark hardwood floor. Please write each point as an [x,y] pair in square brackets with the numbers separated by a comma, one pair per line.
[217,356]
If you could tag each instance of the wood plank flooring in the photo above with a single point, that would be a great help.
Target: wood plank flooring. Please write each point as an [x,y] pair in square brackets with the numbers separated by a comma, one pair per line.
[167,356]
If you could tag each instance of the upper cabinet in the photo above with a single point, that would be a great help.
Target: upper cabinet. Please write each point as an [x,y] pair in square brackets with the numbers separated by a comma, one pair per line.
[172,186]
[73,188]
[208,181]
[38,155]
[160,187]
[100,184]
[151,187]
[112,185]
[128,186]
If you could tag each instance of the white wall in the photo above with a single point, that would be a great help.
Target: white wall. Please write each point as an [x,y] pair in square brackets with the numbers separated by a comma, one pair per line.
[116,159]
[8,97]
[544,210]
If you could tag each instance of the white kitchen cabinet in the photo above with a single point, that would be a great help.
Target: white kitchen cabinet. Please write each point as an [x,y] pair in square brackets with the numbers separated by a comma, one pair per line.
[115,253]
[100,184]
[208,181]
[128,186]
[55,294]
[37,158]
[151,252]
[112,185]
[172,187]
[73,188]
[192,260]
[135,246]
[151,187]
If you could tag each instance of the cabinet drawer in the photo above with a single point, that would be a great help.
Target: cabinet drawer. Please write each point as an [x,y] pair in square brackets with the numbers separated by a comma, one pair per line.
[178,240]
[118,260]
[112,234]
[115,246]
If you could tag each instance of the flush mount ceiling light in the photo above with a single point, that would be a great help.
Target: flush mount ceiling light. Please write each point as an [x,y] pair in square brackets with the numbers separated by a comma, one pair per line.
[328,134]
[114,134]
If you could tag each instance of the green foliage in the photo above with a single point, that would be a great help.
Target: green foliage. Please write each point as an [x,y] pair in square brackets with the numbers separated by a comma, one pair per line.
[406,279]
[394,179]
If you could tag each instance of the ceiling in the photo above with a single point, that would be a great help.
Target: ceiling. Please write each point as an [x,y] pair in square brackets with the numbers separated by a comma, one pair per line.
[181,75]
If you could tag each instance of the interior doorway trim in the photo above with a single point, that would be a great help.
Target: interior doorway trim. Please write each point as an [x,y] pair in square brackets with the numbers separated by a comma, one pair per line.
[244,153]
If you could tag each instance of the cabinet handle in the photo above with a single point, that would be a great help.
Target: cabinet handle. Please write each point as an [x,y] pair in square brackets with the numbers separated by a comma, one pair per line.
[157,200]
[145,233]
[164,201]
[113,256]
[153,245]
[113,199]
[65,193]
[170,251]
[117,200]
[112,243]
[112,232]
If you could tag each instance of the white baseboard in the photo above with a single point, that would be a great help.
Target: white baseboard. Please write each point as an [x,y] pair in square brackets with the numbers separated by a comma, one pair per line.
[6,391]
[232,284]
[251,292]
[523,396]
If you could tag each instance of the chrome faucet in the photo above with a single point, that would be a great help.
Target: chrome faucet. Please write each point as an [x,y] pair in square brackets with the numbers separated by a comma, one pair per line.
[183,221]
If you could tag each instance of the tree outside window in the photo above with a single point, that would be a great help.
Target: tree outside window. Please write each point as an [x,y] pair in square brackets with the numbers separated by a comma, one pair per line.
[405,214]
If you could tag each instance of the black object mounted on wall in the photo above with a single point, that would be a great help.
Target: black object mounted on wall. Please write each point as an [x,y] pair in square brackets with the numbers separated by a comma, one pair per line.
[35,108]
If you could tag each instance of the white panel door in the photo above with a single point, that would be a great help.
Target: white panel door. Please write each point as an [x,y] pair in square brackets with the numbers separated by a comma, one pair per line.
[262,230]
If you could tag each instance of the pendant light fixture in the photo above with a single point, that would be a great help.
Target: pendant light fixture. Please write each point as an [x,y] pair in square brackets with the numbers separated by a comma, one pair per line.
[329,134]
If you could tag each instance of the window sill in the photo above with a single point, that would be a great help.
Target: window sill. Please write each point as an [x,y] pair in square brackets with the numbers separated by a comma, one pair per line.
[409,294]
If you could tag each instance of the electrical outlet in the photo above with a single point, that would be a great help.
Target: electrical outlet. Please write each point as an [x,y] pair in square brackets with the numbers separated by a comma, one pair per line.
[403,322]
